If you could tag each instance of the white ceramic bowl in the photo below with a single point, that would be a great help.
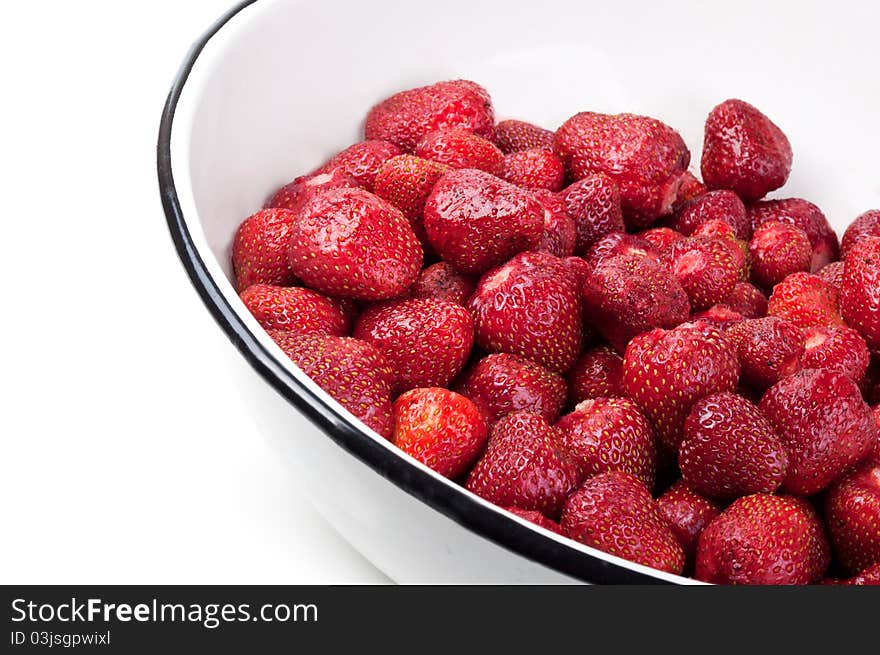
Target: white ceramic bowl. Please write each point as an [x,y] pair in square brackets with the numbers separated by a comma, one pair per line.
[275,87]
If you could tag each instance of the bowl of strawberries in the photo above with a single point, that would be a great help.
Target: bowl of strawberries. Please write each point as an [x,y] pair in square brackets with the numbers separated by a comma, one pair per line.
[531,312]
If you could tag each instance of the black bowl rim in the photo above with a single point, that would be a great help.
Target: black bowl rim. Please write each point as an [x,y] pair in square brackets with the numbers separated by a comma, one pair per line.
[444,498]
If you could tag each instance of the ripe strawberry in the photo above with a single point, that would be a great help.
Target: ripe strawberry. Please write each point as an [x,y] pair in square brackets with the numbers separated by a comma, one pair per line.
[807,217]
[852,512]
[825,425]
[353,372]
[644,157]
[425,341]
[621,243]
[524,466]
[615,513]
[406,117]
[443,282]
[294,309]
[730,449]
[627,295]
[864,227]
[837,349]
[860,290]
[514,136]
[739,249]
[747,300]
[870,576]
[687,513]
[560,230]
[501,384]
[259,251]
[460,148]
[763,540]
[722,205]
[690,188]
[666,371]
[778,250]
[535,517]
[406,181]
[596,374]
[720,317]
[361,161]
[768,349]
[594,204]
[610,434]
[476,221]
[662,238]
[351,244]
[296,194]
[440,428]
[832,274]
[744,151]
[530,306]
[805,300]
[705,268]
[534,169]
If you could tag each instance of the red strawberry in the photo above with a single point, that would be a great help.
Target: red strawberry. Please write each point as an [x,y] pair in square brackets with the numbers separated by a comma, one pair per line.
[860,290]
[361,161]
[705,268]
[443,282]
[730,449]
[259,251]
[425,341]
[687,514]
[645,158]
[807,217]
[524,466]
[739,249]
[295,195]
[690,188]
[514,136]
[875,457]
[406,181]
[596,374]
[837,349]
[294,309]
[832,274]
[666,371]
[351,244]
[476,221]
[805,300]
[718,316]
[353,372]
[535,517]
[534,169]
[529,307]
[719,205]
[627,295]
[560,230]
[594,204]
[823,422]
[852,512]
[864,227]
[662,238]
[763,540]
[621,243]
[778,250]
[747,300]
[459,148]
[440,428]
[768,349]
[610,434]
[870,576]
[744,151]
[615,513]
[406,117]
[500,384]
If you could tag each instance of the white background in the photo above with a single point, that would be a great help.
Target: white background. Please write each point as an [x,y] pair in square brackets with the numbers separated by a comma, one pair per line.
[127,455]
